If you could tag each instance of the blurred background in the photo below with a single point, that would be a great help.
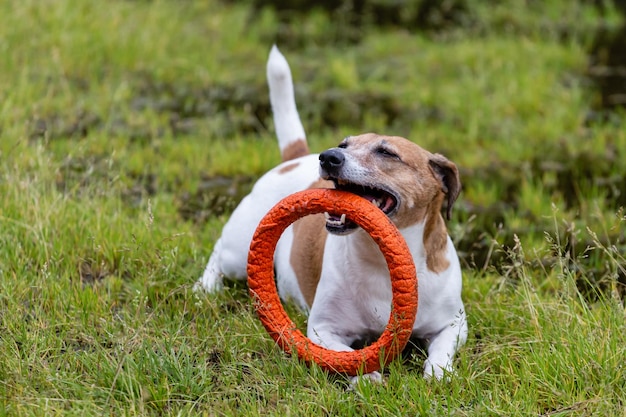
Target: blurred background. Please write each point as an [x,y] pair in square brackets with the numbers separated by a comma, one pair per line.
[527,97]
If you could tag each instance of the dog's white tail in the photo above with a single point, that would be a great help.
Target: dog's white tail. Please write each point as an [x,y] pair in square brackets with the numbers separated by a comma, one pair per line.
[291,136]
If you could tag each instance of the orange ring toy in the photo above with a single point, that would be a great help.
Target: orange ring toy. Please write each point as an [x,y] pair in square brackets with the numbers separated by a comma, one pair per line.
[282,329]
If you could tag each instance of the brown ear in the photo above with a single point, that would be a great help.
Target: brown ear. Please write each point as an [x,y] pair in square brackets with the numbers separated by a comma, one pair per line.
[448,175]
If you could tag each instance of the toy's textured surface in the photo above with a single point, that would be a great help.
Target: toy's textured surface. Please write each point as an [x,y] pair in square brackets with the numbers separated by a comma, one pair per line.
[403,280]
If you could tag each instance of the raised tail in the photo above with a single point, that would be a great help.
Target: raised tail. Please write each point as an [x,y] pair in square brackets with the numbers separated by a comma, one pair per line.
[291,136]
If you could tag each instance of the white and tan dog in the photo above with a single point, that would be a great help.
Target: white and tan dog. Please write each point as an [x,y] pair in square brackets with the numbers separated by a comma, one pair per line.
[331,267]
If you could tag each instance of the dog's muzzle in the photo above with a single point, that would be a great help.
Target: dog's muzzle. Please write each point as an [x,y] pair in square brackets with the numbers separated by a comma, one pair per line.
[332,162]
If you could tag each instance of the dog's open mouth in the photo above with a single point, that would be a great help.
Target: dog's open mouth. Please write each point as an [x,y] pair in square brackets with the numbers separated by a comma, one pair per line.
[384,200]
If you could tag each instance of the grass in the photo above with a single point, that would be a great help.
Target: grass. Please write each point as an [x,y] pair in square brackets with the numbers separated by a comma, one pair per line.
[117,117]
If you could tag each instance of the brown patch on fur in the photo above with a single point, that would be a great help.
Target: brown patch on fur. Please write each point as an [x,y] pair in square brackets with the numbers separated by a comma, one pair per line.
[436,237]
[288,168]
[307,250]
[295,150]
[320,183]
[448,174]
[307,253]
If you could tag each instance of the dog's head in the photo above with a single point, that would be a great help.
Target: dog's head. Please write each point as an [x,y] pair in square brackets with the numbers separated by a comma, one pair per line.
[408,183]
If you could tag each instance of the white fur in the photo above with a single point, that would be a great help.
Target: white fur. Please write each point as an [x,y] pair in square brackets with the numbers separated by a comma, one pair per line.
[354,293]
[286,118]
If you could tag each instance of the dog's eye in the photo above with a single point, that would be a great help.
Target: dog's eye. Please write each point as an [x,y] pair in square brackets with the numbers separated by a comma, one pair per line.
[386,152]
[343,145]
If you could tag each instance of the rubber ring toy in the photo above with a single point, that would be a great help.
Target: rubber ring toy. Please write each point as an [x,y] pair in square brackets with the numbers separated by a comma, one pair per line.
[262,286]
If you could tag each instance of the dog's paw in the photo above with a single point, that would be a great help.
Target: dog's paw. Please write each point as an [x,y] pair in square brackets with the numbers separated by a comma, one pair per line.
[210,282]
[373,377]
[201,287]
[437,372]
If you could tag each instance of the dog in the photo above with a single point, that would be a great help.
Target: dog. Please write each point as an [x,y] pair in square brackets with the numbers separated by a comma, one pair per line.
[329,266]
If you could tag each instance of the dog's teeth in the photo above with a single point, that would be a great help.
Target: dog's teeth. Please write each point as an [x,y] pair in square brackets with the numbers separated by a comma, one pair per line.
[335,221]
[376,202]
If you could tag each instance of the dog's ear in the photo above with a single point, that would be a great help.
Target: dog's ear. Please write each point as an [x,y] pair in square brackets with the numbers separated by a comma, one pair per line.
[448,175]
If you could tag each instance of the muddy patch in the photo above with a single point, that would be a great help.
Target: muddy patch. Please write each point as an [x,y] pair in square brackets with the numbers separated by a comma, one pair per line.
[351,19]
[140,187]
[75,125]
[215,196]
[224,109]
[158,108]
[84,176]
[607,70]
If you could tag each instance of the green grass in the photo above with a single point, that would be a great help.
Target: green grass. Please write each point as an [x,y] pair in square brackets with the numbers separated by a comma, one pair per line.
[112,121]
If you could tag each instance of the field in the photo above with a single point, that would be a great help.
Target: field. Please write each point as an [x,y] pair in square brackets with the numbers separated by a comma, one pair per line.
[130,129]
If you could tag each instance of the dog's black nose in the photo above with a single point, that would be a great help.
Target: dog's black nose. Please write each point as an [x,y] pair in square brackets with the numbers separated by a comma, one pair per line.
[331,159]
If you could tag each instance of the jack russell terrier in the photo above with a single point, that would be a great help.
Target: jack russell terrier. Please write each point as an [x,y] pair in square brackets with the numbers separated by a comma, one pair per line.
[327,264]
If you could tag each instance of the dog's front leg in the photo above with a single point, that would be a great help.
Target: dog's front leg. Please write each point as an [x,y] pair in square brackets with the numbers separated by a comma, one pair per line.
[213,277]
[228,259]
[443,347]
